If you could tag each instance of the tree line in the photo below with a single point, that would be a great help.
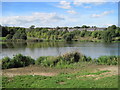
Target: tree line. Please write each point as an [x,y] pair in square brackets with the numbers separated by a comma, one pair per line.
[14,33]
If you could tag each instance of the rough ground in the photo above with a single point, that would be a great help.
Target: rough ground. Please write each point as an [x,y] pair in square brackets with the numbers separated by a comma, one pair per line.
[35,70]
[112,70]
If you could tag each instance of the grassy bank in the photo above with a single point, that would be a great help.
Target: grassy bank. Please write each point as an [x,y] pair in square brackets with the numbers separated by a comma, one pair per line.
[70,70]
[80,75]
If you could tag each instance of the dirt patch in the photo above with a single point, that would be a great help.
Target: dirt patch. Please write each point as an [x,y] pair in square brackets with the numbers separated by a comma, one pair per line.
[113,70]
[42,74]
[61,83]
[28,71]
[47,71]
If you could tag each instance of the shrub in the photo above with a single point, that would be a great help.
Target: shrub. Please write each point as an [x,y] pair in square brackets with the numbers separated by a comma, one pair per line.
[40,59]
[64,59]
[72,56]
[46,61]
[6,63]
[17,61]
[108,60]
[22,61]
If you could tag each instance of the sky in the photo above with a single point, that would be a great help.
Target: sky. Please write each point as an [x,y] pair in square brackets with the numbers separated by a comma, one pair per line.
[60,13]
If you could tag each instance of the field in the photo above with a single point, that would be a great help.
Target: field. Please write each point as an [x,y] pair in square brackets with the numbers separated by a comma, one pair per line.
[80,75]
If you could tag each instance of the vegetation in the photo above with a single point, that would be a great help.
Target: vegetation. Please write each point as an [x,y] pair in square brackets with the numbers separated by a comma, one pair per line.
[59,61]
[109,60]
[112,33]
[17,61]
[76,80]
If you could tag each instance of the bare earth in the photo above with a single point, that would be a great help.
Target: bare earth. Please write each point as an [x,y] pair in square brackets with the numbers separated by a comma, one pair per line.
[35,70]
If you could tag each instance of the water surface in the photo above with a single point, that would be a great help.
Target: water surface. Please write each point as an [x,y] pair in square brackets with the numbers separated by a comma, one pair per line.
[37,49]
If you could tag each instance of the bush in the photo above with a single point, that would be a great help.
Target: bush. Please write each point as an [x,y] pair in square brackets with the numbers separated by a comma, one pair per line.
[107,60]
[17,61]
[6,63]
[66,58]
[39,60]
[72,57]
[47,61]
[63,60]
[22,61]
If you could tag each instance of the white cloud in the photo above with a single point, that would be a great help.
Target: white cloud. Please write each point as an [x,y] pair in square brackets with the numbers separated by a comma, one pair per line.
[96,2]
[87,6]
[71,11]
[102,14]
[36,19]
[108,25]
[64,5]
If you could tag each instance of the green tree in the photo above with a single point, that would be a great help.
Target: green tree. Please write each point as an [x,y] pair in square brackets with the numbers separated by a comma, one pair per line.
[32,26]
[82,34]
[68,36]
[4,31]
[9,36]
[94,34]
[107,37]
[23,36]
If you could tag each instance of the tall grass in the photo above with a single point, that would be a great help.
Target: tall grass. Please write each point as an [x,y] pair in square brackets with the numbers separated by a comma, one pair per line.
[59,61]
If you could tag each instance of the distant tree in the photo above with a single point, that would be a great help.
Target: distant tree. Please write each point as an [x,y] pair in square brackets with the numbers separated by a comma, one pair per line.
[65,28]
[94,34]
[57,27]
[113,27]
[82,34]
[84,26]
[77,27]
[88,33]
[23,36]
[32,26]
[107,37]
[4,31]
[9,36]
[68,36]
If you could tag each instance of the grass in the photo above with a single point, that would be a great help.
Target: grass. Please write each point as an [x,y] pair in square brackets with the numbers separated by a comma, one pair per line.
[2,38]
[60,81]
[80,75]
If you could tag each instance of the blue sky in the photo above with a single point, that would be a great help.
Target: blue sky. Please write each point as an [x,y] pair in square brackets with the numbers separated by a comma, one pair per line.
[63,13]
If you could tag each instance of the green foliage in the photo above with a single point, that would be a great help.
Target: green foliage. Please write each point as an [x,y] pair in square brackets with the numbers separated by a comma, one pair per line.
[107,36]
[107,60]
[113,27]
[50,61]
[60,34]
[20,34]
[82,34]
[9,36]
[65,59]
[68,36]
[23,36]
[39,60]
[17,61]
[6,63]
[84,26]
[4,31]
[32,26]
[94,34]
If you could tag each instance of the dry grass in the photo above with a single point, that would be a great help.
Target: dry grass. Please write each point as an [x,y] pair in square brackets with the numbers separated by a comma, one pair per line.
[47,71]
[113,70]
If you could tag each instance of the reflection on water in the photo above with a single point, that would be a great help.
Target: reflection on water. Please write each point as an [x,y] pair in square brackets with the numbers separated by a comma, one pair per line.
[35,49]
